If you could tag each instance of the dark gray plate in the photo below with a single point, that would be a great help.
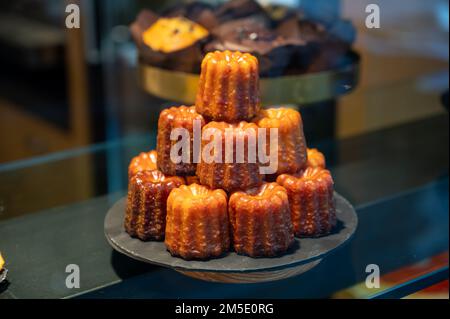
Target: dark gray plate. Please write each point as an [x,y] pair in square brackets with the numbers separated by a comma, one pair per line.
[304,251]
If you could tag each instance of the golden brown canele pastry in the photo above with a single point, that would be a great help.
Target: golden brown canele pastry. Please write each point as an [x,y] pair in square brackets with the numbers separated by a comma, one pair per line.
[311,201]
[169,119]
[315,158]
[261,221]
[197,222]
[229,87]
[292,154]
[173,34]
[191,180]
[145,161]
[145,216]
[238,172]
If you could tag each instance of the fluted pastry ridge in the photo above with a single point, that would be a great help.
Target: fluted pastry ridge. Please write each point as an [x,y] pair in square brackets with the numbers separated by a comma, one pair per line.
[311,201]
[260,221]
[145,215]
[230,174]
[169,119]
[197,222]
[143,162]
[229,87]
[292,154]
[315,158]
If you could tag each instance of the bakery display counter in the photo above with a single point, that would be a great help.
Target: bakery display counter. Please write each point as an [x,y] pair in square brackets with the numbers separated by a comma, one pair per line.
[356,205]
[301,59]
[396,178]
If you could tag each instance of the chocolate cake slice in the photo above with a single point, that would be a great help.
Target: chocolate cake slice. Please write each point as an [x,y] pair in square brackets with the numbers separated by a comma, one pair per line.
[237,9]
[200,12]
[253,35]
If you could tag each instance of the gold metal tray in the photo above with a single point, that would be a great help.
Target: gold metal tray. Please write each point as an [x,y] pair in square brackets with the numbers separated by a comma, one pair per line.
[293,89]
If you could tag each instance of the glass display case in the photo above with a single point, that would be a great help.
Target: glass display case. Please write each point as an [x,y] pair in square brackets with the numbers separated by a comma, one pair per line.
[385,140]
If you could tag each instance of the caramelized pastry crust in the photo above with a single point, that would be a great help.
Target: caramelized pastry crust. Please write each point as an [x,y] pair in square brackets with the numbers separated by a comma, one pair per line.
[146,161]
[145,216]
[311,201]
[315,158]
[291,140]
[260,221]
[169,119]
[233,172]
[197,222]
[229,87]
[191,180]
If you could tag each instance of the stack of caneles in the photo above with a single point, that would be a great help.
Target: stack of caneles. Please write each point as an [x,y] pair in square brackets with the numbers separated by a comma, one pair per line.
[203,210]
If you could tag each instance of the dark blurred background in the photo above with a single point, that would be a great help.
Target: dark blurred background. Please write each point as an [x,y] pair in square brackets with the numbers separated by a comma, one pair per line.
[62,88]
[67,89]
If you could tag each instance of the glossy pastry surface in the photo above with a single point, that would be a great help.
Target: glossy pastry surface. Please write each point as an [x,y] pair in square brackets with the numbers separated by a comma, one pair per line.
[181,117]
[191,180]
[143,162]
[311,201]
[315,158]
[197,222]
[235,171]
[145,216]
[291,140]
[261,221]
[229,87]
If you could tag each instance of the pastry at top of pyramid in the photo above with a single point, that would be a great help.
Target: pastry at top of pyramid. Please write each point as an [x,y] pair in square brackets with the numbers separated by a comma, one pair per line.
[229,87]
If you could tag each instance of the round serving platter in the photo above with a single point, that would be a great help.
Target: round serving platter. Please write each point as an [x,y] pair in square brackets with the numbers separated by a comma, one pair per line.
[291,89]
[305,254]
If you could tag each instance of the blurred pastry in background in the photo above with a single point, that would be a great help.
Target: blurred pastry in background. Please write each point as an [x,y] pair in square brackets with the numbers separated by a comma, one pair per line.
[324,47]
[236,9]
[173,34]
[285,40]
[254,36]
[200,12]
[169,42]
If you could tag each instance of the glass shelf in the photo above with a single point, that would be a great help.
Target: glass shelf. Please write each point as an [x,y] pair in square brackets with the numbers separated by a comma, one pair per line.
[386,144]
[401,200]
